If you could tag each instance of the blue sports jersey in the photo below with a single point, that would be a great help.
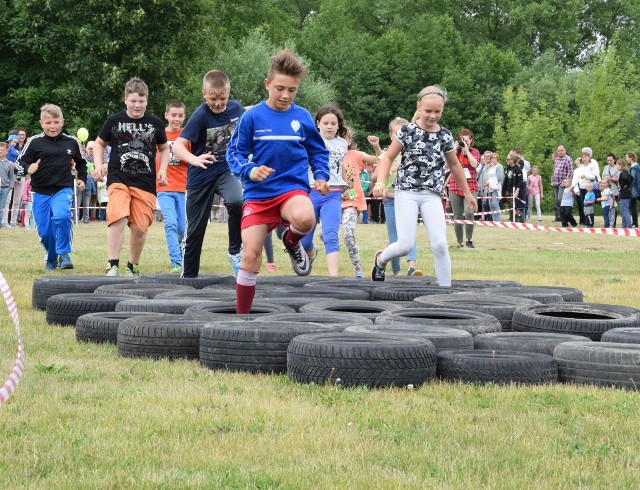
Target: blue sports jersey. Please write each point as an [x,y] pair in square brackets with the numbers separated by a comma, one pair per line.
[286,141]
[210,132]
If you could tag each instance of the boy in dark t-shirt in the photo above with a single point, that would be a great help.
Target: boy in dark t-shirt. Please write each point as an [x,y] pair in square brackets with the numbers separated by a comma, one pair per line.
[133,136]
[209,130]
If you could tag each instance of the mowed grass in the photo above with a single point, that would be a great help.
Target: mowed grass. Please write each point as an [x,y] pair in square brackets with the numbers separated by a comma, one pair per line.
[84,417]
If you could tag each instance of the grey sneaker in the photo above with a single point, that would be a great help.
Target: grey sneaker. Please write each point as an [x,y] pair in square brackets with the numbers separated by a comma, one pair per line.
[299,260]
[112,271]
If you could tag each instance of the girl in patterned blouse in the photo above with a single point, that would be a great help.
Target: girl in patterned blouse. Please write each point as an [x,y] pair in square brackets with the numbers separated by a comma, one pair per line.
[425,147]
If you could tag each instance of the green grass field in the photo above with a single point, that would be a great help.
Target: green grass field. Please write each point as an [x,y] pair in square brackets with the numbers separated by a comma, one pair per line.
[83,417]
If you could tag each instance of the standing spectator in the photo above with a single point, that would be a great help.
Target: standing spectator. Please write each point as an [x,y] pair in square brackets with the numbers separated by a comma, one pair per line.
[534,193]
[586,172]
[493,180]
[469,158]
[513,184]
[588,206]
[634,171]
[611,172]
[525,166]
[27,199]
[624,182]
[483,202]
[6,175]
[605,200]
[562,169]
[566,204]
[11,209]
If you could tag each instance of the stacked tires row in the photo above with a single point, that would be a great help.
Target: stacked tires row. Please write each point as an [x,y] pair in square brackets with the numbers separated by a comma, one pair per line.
[355,332]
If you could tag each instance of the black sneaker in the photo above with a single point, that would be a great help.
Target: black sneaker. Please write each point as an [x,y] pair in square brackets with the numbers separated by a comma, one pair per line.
[377,273]
[470,244]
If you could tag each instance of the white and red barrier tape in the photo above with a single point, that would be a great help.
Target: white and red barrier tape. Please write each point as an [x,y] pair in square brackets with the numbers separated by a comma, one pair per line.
[10,385]
[633,232]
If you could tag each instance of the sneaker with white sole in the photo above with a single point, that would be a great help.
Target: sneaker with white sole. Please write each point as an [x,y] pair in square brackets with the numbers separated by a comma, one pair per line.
[235,261]
[377,273]
[299,260]
[112,271]
[135,272]
[176,268]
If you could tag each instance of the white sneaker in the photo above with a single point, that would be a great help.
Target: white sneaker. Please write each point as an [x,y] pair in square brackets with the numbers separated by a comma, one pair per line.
[235,261]
[112,271]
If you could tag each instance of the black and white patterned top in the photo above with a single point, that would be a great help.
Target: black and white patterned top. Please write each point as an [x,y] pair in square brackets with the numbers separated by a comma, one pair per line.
[422,165]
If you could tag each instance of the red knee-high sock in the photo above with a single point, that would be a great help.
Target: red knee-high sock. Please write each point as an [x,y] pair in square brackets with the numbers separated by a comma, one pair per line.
[245,291]
[291,237]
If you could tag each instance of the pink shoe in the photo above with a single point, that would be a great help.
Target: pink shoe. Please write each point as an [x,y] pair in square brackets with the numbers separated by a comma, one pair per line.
[271,267]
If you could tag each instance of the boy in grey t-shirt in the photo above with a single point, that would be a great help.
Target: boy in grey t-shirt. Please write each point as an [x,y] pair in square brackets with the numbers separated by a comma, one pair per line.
[6,176]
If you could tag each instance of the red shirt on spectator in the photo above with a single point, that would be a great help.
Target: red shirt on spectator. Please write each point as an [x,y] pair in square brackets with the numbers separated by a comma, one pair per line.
[472,181]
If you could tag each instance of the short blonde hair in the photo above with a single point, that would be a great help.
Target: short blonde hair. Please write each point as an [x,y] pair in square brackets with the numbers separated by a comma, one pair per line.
[52,110]
[433,90]
[136,86]
[216,80]
[397,122]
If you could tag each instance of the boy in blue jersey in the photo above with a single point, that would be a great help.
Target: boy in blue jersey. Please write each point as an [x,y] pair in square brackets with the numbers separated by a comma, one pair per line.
[208,130]
[284,142]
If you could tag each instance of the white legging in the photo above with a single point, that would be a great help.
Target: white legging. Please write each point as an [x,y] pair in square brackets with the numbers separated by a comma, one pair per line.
[429,205]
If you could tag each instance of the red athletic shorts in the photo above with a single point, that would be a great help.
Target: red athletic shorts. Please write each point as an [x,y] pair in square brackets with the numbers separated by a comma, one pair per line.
[267,212]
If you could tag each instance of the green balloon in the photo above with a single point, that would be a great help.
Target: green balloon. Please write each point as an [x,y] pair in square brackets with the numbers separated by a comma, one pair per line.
[83,134]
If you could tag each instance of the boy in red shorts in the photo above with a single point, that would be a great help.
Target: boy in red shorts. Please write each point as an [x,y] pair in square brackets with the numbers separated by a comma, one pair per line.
[284,142]
[133,135]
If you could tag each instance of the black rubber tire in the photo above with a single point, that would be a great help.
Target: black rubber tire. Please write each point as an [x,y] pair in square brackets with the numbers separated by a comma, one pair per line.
[199,282]
[368,309]
[295,302]
[353,359]
[220,311]
[599,363]
[288,280]
[160,336]
[586,319]
[622,336]
[338,321]
[484,366]
[442,338]
[147,290]
[467,320]
[540,343]
[367,285]
[321,292]
[502,307]
[172,306]
[408,292]
[536,293]
[477,284]
[251,346]
[102,327]
[45,287]
[220,292]
[569,295]
[64,309]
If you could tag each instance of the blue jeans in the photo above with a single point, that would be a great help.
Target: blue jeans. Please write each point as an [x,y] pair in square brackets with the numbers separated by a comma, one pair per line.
[329,210]
[392,232]
[53,220]
[624,211]
[4,193]
[172,205]
[605,215]
[494,205]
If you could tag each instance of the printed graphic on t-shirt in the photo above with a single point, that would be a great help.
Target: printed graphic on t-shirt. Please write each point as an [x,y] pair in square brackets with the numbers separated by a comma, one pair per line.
[422,165]
[173,161]
[218,138]
[136,144]
[336,156]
